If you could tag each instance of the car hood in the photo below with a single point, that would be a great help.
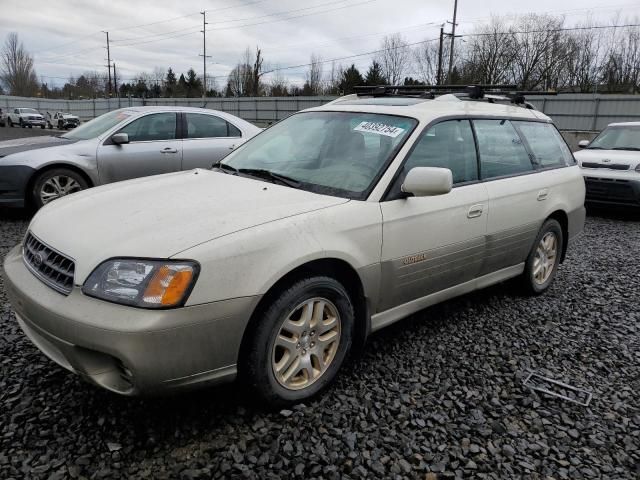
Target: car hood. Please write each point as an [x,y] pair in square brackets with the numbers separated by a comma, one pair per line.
[606,158]
[159,217]
[9,147]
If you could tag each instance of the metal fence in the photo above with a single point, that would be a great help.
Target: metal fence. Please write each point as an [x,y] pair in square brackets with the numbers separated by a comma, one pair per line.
[581,112]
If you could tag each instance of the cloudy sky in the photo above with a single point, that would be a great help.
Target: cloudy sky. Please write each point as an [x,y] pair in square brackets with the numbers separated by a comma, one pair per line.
[65,36]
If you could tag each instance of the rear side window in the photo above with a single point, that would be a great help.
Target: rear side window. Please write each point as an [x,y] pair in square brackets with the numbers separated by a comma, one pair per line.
[209,126]
[502,151]
[449,145]
[547,146]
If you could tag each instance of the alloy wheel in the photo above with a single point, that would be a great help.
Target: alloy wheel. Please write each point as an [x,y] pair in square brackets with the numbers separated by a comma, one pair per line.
[58,186]
[306,343]
[545,258]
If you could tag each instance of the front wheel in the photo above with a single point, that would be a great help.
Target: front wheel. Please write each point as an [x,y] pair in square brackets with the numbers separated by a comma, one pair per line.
[543,260]
[300,341]
[56,183]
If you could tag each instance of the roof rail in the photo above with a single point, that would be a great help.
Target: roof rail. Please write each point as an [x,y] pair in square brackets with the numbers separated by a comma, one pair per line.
[471,92]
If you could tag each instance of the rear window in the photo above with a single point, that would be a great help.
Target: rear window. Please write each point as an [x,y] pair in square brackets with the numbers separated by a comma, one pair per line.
[546,144]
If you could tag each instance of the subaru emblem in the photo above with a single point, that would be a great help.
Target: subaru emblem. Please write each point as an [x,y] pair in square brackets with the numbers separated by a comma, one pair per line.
[37,260]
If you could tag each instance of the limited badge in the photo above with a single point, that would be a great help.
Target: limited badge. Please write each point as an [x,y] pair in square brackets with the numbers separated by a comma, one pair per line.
[421,257]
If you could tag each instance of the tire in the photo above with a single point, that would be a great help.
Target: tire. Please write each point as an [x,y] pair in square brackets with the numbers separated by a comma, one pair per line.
[68,180]
[10,123]
[21,123]
[537,278]
[263,355]
[60,125]
[42,126]
[50,126]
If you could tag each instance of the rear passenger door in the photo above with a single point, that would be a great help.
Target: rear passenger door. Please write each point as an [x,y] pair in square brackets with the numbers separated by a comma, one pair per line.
[207,140]
[433,243]
[516,191]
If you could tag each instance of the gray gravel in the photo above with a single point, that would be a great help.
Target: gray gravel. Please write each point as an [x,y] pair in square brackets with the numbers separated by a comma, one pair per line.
[438,395]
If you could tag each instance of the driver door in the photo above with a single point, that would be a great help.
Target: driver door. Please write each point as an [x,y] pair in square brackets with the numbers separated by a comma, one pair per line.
[433,243]
[152,149]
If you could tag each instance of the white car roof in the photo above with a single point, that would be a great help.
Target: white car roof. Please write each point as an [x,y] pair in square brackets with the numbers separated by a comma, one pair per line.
[624,124]
[426,110]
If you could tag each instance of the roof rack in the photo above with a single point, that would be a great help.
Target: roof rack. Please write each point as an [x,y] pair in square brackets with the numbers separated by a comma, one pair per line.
[471,92]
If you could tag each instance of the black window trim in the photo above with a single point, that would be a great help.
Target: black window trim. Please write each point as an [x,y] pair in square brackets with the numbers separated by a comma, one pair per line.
[185,126]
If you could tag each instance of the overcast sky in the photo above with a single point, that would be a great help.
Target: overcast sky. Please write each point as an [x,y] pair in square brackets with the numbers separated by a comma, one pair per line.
[65,36]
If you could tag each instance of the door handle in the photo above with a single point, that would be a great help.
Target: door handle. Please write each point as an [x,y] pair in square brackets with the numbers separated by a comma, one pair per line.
[232,147]
[169,150]
[475,210]
[543,194]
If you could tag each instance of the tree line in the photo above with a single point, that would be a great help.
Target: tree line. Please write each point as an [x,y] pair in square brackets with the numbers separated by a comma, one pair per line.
[532,51]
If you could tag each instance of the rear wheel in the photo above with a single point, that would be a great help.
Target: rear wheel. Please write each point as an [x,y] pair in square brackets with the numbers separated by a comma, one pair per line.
[543,260]
[56,183]
[301,341]
[21,123]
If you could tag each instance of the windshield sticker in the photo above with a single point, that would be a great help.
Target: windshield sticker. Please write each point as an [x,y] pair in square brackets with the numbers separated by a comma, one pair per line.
[379,128]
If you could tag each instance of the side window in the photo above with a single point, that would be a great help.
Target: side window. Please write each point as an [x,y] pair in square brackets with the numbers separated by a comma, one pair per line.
[209,126]
[448,144]
[157,126]
[501,149]
[16,111]
[546,144]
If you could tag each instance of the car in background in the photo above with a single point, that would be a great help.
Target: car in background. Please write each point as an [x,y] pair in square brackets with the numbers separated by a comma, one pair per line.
[610,164]
[119,145]
[26,117]
[62,120]
[335,222]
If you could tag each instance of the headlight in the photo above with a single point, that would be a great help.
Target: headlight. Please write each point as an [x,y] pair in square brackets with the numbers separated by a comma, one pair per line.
[638,168]
[143,283]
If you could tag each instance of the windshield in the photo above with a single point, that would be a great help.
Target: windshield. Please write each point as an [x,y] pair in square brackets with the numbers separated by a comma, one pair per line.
[98,125]
[617,138]
[28,110]
[336,153]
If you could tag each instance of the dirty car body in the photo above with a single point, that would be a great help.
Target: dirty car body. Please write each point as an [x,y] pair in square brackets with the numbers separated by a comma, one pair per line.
[289,229]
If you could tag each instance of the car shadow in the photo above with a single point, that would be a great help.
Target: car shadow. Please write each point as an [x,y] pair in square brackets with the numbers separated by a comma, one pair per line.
[627,214]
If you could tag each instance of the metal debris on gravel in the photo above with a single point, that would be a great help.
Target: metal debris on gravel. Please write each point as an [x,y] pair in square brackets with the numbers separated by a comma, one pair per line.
[436,396]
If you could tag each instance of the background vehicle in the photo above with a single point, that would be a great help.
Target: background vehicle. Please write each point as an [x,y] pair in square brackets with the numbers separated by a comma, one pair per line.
[25,117]
[62,120]
[273,264]
[119,145]
[3,119]
[610,165]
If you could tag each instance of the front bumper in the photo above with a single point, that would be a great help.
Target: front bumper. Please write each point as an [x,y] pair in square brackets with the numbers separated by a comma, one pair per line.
[13,184]
[34,123]
[128,350]
[612,191]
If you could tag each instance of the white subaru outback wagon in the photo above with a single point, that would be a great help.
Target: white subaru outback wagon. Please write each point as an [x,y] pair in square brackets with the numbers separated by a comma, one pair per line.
[272,265]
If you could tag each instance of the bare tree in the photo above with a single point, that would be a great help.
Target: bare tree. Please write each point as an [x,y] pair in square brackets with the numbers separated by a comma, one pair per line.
[16,68]
[425,61]
[490,52]
[333,79]
[278,85]
[394,58]
[314,75]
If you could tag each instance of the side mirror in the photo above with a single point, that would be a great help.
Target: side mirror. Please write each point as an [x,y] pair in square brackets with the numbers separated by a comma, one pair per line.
[583,143]
[120,138]
[428,181]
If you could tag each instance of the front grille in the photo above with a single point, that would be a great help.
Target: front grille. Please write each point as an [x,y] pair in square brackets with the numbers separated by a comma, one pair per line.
[50,266]
[605,189]
[611,166]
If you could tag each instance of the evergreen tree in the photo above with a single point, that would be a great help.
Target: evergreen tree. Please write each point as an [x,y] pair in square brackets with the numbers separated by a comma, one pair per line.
[181,89]
[374,75]
[194,85]
[350,78]
[170,83]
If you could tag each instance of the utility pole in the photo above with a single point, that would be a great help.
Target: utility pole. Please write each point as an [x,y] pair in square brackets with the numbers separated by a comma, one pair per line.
[453,36]
[108,61]
[115,80]
[439,74]
[204,54]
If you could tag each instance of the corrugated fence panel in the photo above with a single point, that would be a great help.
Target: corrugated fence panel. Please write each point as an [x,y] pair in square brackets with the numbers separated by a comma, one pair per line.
[569,111]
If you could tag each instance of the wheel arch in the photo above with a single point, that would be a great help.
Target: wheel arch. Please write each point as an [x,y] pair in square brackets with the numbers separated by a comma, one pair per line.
[335,268]
[52,166]
[563,219]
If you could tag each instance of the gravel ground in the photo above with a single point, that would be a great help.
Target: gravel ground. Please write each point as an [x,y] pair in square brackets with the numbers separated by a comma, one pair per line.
[438,395]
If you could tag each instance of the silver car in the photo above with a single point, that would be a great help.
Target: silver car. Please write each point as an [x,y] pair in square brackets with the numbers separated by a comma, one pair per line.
[332,224]
[119,145]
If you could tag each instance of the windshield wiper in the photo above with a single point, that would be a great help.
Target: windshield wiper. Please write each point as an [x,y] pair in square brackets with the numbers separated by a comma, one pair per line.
[224,167]
[633,149]
[269,175]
